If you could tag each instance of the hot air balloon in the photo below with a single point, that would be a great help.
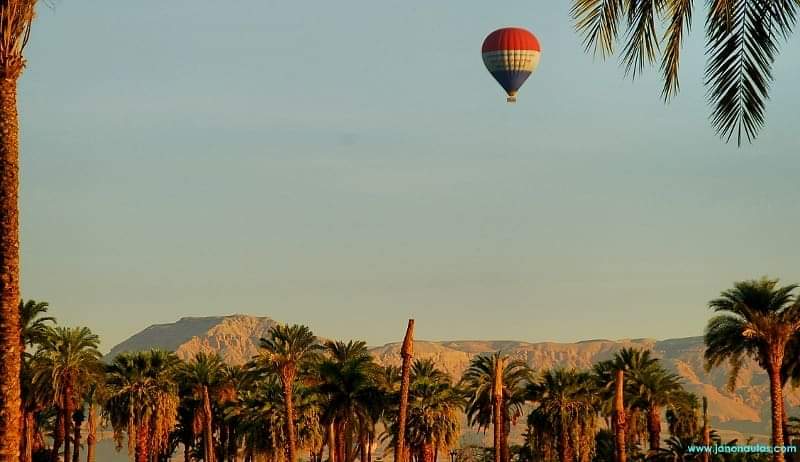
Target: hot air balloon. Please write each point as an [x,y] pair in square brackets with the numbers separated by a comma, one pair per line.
[511,54]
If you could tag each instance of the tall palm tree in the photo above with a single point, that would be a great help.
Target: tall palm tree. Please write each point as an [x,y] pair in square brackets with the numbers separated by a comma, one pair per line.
[68,358]
[16,17]
[143,400]
[756,320]
[742,39]
[478,382]
[203,375]
[34,328]
[653,389]
[564,419]
[347,381]
[287,349]
[407,355]
[434,410]
[617,401]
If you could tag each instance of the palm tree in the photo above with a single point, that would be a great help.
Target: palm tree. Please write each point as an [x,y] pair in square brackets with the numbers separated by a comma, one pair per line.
[478,382]
[143,400]
[434,409]
[347,383]
[653,389]
[287,349]
[16,17]
[34,328]
[756,320]
[203,375]
[94,397]
[68,358]
[407,355]
[563,421]
[682,415]
[742,38]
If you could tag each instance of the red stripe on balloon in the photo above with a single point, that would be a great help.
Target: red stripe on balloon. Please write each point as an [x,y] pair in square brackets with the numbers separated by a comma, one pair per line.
[510,38]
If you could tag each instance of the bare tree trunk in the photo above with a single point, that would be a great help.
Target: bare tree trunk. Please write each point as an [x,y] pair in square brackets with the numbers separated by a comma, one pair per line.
[332,442]
[287,377]
[10,352]
[620,449]
[407,353]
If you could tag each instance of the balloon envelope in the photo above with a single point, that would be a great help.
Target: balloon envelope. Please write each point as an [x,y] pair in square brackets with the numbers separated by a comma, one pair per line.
[511,54]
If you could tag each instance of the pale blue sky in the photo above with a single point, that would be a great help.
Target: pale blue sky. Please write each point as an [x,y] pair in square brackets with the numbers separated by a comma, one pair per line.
[351,164]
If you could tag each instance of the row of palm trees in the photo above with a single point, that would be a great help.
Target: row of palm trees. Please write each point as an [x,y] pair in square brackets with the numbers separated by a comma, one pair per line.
[341,403]
[331,400]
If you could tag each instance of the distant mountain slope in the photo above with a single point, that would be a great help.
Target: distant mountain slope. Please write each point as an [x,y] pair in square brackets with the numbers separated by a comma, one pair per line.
[745,410]
[234,337]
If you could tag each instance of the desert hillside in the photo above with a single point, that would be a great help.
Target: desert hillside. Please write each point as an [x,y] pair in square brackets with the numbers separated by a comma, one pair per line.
[745,410]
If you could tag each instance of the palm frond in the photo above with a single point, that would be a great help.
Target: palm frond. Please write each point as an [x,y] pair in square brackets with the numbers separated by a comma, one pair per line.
[642,43]
[742,41]
[680,21]
[598,21]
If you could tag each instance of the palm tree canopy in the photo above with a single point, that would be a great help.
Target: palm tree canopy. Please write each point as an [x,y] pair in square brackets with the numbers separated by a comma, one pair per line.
[34,327]
[477,381]
[288,347]
[742,40]
[754,316]
[68,356]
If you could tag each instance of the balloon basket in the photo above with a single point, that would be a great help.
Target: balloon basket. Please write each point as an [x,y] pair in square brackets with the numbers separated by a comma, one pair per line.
[511,99]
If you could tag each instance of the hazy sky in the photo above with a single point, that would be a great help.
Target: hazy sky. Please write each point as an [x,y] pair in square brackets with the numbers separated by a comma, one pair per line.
[351,164]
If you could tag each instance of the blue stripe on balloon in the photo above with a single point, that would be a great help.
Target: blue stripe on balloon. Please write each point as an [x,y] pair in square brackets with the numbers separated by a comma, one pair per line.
[511,80]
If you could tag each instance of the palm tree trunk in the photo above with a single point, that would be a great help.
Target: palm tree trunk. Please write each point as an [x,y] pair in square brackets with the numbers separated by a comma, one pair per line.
[407,353]
[504,452]
[68,410]
[369,445]
[776,396]
[332,442]
[341,426]
[142,439]
[76,449]
[287,377]
[91,437]
[10,353]
[26,448]
[497,409]
[619,418]
[208,433]
[563,445]
[58,436]
[362,436]
[706,431]
[654,427]
[428,452]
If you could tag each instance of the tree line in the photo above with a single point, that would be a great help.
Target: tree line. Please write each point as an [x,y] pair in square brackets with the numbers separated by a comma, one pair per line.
[301,397]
